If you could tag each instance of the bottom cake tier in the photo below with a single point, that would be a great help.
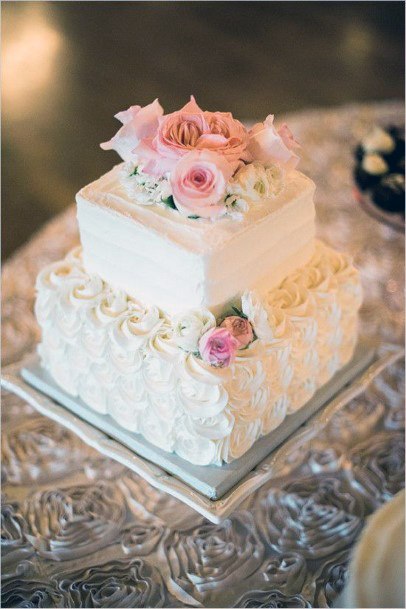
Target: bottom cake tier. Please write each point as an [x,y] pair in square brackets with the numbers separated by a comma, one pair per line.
[201,387]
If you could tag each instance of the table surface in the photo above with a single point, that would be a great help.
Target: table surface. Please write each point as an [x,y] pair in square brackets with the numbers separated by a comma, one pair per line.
[79,530]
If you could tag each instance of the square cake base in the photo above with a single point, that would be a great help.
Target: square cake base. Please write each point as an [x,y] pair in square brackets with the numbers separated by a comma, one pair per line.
[211,481]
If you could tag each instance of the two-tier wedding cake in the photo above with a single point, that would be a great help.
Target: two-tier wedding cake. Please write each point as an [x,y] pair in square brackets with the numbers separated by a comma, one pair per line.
[199,311]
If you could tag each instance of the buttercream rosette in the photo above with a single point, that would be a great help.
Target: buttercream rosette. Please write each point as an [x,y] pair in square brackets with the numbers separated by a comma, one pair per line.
[203,386]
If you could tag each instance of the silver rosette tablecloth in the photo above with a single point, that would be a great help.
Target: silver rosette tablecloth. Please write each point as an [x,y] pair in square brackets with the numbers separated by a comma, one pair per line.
[80,530]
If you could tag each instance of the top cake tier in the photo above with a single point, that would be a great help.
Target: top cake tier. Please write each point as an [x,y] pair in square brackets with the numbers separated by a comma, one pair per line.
[201,210]
[164,258]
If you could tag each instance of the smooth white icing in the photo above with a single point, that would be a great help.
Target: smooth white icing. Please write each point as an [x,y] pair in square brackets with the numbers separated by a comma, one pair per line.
[176,263]
[136,363]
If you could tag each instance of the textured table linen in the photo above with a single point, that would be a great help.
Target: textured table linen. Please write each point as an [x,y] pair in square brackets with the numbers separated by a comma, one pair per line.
[79,530]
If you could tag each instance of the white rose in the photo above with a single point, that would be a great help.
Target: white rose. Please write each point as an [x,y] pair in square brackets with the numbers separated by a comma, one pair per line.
[256,182]
[257,315]
[276,179]
[188,327]
[251,182]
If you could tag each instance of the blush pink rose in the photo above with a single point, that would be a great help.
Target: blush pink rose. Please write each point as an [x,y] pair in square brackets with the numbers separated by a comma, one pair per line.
[268,145]
[240,328]
[226,136]
[180,131]
[218,347]
[199,182]
[188,129]
[138,124]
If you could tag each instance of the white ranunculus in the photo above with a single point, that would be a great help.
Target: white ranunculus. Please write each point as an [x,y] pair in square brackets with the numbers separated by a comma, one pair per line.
[251,182]
[256,182]
[276,179]
[188,327]
[257,315]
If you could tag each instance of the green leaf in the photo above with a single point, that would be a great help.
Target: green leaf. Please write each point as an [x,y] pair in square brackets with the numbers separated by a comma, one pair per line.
[169,202]
[193,217]
[134,173]
[239,313]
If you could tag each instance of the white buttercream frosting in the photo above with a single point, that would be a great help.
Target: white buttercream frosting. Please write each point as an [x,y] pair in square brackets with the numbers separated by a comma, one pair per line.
[141,366]
[167,260]
[190,326]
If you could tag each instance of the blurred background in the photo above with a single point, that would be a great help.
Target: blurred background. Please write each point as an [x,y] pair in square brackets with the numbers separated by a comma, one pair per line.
[68,67]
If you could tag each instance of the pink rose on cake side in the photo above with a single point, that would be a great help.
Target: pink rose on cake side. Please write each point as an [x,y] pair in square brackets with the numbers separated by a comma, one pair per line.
[138,123]
[268,145]
[199,182]
[190,128]
[240,328]
[218,347]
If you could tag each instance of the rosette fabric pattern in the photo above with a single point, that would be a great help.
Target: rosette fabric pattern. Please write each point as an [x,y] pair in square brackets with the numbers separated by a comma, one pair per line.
[142,366]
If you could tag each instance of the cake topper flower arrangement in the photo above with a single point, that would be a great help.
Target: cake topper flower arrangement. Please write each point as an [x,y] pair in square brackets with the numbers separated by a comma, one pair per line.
[203,164]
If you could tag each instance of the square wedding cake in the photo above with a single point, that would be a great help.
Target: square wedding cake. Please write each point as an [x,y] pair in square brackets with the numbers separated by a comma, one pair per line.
[199,310]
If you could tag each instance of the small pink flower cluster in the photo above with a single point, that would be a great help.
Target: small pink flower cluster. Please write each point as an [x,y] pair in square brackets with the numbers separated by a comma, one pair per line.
[198,150]
[219,346]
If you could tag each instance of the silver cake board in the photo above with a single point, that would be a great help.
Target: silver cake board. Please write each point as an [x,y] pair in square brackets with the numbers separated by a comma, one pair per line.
[210,480]
[366,365]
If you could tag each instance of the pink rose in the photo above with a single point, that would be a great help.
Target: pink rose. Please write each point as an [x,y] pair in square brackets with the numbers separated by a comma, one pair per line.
[188,129]
[138,124]
[240,328]
[226,136]
[268,145]
[180,131]
[199,182]
[218,347]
